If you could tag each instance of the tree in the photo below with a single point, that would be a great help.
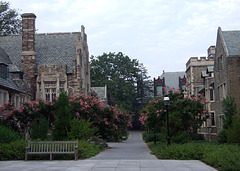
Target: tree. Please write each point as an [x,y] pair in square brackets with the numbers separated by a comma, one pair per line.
[186,115]
[120,74]
[63,121]
[229,110]
[10,22]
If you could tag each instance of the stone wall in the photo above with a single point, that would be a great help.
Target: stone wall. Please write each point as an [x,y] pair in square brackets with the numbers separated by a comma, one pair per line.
[234,78]
[221,78]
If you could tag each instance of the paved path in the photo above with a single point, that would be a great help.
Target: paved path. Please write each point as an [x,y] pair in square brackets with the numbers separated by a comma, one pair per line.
[131,155]
[132,149]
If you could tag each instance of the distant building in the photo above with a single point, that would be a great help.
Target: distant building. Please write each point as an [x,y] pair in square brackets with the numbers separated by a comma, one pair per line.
[101,93]
[48,62]
[182,83]
[159,86]
[194,68]
[168,80]
[227,70]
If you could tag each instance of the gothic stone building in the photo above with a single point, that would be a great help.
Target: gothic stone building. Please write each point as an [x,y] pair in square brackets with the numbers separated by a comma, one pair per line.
[200,80]
[194,68]
[227,70]
[50,62]
[12,84]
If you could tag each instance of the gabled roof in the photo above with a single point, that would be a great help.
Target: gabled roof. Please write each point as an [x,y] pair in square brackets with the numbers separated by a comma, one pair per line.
[232,42]
[55,48]
[172,78]
[8,83]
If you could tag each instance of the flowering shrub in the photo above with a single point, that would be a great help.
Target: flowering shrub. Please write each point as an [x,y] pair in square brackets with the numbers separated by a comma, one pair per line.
[110,120]
[23,118]
[185,114]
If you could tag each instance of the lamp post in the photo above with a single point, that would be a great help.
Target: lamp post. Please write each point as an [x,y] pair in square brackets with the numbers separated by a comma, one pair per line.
[166,103]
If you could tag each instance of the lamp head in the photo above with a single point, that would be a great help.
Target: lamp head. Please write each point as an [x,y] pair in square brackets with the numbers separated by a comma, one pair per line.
[166,100]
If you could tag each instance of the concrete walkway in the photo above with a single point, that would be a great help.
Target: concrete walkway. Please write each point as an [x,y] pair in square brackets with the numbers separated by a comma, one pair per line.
[133,155]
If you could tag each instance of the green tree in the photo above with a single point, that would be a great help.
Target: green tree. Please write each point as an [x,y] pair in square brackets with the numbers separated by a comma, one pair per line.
[120,74]
[10,22]
[186,115]
[63,121]
[229,110]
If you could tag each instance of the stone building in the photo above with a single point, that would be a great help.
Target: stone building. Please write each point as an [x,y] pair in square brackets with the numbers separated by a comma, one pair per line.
[182,83]
[208,129]
[227,70]
[159,86]
[12,84]
[168,80]
[194,68]
[50,62]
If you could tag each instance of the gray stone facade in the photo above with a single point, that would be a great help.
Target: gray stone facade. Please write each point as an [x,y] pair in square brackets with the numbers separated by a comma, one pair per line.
[194,68]
[200,81]
[50,62]
[227,70]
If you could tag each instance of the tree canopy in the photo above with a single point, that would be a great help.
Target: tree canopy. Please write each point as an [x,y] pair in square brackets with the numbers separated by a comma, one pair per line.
[120,74]
[10,22]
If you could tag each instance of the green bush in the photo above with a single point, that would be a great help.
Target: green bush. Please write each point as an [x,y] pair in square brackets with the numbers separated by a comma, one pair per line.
[222,137]
[62,122]
[223,157]
[181,138]
[149,137]
[39,129]
[82,130]
[13,151]
[232,132]
[8,135]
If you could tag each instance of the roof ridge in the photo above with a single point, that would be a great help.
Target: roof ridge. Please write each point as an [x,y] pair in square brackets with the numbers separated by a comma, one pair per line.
[57,33]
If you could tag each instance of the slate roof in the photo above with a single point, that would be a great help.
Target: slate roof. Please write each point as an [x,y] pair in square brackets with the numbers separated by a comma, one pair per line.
[232,40]
[4,58]
[8,82]
[172,78]
[51,48]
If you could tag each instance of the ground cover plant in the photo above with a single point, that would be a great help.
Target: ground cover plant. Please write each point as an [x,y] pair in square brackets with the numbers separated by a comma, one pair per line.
[221,156]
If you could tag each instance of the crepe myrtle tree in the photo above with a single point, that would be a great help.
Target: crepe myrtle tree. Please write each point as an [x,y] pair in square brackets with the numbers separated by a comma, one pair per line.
[186,114]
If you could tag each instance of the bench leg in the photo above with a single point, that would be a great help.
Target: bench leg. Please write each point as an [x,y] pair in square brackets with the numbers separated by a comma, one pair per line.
[51,156]
[76,154]
[26,156]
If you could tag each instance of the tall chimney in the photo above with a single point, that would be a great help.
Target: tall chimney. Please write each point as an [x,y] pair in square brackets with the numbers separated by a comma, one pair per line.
[28,58]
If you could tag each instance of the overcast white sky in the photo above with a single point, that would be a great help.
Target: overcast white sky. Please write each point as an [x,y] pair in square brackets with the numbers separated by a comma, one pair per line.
[161,34]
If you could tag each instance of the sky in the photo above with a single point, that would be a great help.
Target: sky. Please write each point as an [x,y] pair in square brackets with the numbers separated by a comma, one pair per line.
[161,34]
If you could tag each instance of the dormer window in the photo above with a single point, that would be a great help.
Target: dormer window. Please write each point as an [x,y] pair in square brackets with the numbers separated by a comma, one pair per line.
[4,70]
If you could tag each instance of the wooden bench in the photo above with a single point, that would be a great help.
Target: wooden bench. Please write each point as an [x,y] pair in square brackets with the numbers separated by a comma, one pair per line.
[53,147]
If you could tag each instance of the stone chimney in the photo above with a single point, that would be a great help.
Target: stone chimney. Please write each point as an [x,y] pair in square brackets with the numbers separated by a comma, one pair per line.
[28,57]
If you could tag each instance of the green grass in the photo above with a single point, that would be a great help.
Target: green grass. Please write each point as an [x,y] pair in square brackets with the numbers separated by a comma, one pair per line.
[224,157]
